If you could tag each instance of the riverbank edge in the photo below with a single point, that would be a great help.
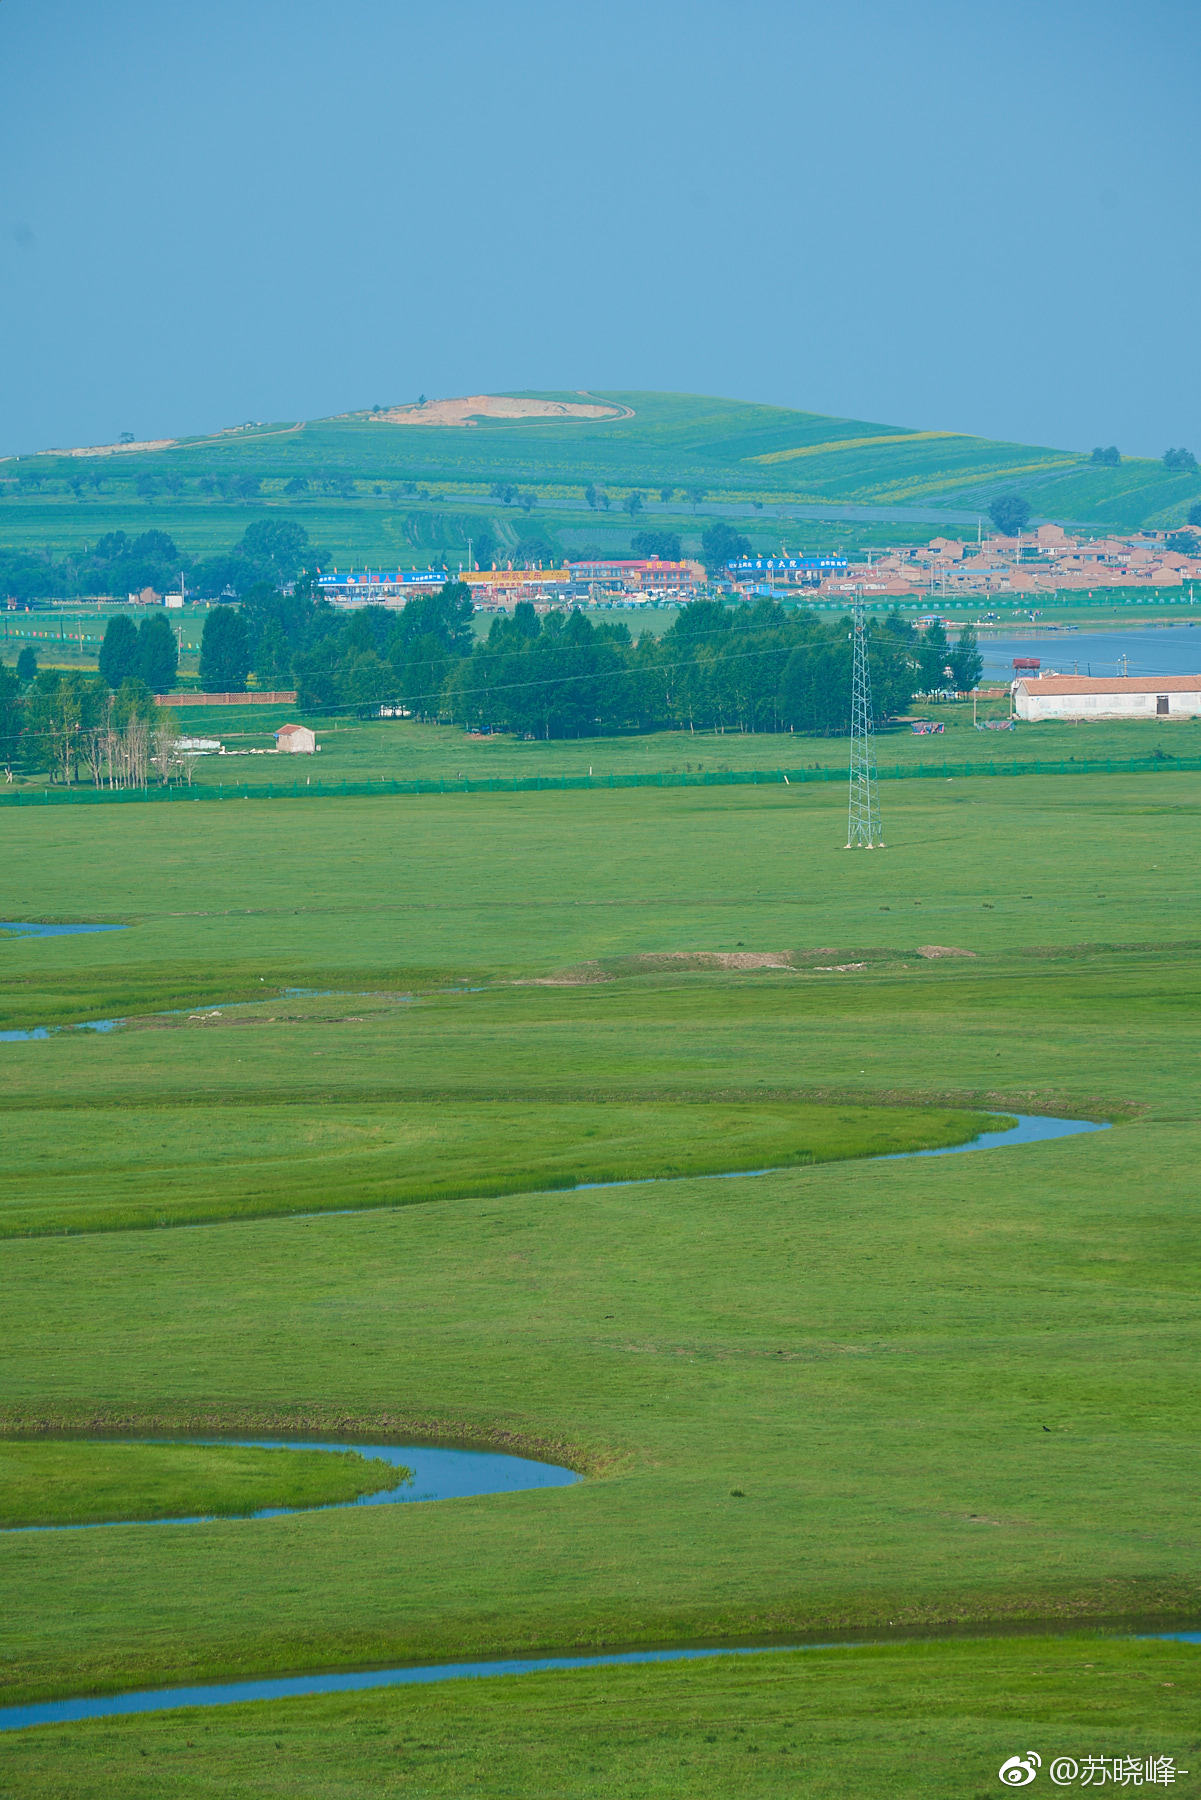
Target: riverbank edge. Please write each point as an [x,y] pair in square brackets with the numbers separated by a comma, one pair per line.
[1150,1608]
[1092,1110]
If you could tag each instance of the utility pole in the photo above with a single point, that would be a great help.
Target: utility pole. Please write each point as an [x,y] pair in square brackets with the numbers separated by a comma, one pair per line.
[864,828]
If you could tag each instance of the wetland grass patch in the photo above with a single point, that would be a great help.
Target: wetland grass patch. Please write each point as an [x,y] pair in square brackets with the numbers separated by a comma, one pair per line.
[95,1168]
[45,1482]
[916,1721]
[961,1390]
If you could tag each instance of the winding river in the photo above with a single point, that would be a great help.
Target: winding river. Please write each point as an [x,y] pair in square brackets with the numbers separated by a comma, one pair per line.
[441,1474]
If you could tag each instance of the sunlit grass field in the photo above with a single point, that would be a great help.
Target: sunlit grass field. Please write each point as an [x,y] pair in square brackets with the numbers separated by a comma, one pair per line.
[846,1397]
[65,1483]
[923,1721]
[403,750]
[145,1163]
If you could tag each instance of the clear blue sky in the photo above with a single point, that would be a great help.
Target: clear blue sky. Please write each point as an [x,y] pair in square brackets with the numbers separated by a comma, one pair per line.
[934,213]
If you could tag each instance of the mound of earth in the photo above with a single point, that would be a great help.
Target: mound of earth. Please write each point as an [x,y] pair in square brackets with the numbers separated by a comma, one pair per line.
[497,406]
[930,951]
[649,961]
[118,449]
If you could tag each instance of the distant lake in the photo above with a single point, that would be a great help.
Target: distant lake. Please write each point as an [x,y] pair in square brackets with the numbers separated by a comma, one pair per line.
[1166,650]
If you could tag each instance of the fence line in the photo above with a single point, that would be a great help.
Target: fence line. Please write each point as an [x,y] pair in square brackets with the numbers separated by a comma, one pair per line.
[530,784]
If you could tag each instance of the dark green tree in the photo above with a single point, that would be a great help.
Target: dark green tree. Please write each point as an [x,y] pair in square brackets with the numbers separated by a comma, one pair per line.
[27,577]
[533,548]
[721,544]
[967,664]
[154,546]
[27,665]
[62,709]
[11,715]
[367,682]
[1010,514]
[1108,458]
[119,651]
[933,658]
[276,548]
[663,544]
[483,548]
[224,652]
[158,654]
[1180,462]
[1185,543]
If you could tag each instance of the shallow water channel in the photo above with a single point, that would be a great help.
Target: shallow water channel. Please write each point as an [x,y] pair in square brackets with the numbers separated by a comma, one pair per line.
[440,1474]
[36,928]
[431,1472]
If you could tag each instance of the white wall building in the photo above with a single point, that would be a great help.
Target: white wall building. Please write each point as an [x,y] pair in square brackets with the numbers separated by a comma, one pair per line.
[1117,697]
[296,739]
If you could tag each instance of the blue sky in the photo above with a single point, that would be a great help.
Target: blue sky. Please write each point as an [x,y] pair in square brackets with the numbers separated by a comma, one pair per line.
[950,216]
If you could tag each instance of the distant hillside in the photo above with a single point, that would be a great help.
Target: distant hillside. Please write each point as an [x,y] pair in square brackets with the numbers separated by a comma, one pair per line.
[371,483]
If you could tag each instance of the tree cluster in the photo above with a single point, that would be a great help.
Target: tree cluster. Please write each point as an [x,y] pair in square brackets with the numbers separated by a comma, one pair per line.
[741,668]
[1010,513]
[721,544]
[273,550]
[76,726]
[147,652]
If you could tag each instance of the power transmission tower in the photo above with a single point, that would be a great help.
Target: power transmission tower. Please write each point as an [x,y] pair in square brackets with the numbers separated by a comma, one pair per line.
[864,829]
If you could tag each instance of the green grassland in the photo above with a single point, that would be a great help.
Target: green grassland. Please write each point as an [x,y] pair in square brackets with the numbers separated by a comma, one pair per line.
[920,1721]
[117,1167]
[50,1483]
[404,750]
[732,450]
[848,1396]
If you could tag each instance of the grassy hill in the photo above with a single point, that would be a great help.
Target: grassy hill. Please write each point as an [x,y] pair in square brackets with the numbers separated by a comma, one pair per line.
[374,489]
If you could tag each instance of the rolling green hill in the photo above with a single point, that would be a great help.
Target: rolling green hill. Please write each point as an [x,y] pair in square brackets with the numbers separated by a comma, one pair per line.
[370,487]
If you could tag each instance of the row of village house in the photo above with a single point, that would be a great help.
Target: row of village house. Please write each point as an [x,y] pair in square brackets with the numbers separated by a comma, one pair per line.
[1042,562]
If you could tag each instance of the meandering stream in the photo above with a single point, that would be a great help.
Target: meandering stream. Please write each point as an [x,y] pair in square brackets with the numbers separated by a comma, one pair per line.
[440,1474]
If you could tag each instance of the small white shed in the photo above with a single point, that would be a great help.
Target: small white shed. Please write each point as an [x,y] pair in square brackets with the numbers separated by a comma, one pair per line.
[296,739]
[1116,697]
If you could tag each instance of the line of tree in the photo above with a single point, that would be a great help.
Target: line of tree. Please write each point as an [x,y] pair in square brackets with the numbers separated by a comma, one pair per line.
[553,675]
[749,668]
[273,550]
[76,727]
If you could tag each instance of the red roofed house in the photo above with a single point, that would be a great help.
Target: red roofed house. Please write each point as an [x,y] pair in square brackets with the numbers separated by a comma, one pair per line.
[1116,697]
[297,739]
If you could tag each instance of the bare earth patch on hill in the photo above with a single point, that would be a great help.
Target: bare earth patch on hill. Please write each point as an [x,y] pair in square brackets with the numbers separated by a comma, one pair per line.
[496,406]
[118,449]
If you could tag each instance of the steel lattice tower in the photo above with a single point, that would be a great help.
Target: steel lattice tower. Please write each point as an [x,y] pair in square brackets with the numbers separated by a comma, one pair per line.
[864,829]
